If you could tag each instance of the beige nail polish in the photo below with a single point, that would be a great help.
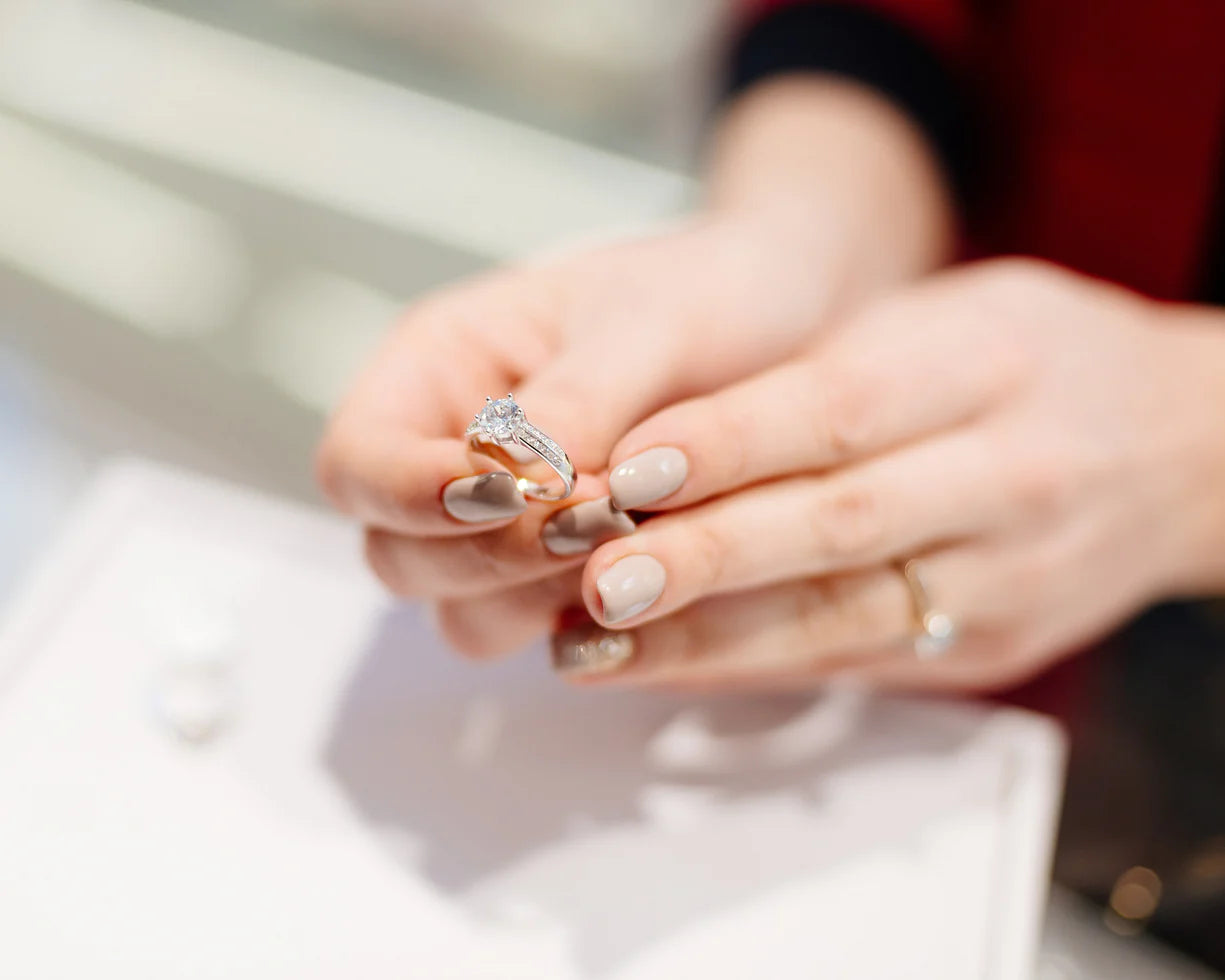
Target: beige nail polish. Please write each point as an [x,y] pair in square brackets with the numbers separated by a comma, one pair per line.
[584,527]
[591,650]
[487,497]
[648,477]
[630,586]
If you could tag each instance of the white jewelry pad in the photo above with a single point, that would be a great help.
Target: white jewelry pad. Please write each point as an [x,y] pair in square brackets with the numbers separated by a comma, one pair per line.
[377,808]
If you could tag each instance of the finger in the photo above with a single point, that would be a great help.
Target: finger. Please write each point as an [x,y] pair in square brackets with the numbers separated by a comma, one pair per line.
[587,396]
[403,483]
[508,620]
[393,445]
[396,480]
[452,348]
[877,385]
[542,542]
[646,330]
[761,636]
[882,510]
[796,633]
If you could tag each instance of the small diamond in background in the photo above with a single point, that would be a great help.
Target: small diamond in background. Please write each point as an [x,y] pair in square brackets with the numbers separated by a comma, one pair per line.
[499,419]
[194,708]
[190,625]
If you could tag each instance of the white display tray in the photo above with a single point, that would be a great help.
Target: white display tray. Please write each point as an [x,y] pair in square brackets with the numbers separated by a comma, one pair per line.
[378,808]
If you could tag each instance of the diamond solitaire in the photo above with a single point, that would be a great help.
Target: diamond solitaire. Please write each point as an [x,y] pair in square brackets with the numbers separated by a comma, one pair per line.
[501,423]
[500,419]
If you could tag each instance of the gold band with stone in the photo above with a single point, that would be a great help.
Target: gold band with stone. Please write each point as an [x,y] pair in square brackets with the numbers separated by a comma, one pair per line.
[935,630]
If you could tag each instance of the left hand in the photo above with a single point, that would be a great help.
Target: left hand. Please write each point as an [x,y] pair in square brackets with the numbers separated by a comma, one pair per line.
[1045,444]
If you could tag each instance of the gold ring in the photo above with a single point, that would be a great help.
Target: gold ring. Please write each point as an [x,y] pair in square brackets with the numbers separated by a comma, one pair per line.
[936,630]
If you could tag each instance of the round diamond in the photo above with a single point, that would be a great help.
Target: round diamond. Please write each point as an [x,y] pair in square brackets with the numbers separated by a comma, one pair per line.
[939,632]
[500,419]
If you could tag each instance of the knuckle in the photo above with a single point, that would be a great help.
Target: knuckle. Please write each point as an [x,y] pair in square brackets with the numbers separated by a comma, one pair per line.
[847,414]
[814,604]
[1043,487]
[849,524]
[709,550]
[734,432]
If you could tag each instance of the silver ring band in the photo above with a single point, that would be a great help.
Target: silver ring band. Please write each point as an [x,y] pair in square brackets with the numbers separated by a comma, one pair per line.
[936,631]
[501,428]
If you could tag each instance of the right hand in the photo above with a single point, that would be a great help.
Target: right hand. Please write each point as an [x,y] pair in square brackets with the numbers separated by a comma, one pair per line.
[807,186]
[590,345]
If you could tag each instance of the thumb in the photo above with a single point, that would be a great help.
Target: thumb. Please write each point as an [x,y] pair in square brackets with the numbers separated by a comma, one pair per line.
[596,390]
[668,320]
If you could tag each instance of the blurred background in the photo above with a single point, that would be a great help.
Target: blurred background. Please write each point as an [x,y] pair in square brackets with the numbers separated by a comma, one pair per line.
[209,213]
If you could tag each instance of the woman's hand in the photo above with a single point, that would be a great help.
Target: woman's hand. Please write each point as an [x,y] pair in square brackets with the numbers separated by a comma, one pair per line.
[1050,447]
[590,345]
[808,179]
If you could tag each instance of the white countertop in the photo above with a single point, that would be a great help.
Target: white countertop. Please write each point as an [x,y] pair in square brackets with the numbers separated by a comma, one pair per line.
[292,281]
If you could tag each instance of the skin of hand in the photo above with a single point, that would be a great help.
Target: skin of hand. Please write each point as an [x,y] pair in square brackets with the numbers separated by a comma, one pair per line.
[1048,445]
[808,176]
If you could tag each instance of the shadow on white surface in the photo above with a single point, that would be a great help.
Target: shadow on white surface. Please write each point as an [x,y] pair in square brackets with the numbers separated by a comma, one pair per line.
[543,804]
[377,808]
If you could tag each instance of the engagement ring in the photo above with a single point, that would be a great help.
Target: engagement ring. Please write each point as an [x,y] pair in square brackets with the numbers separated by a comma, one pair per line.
[502,432]
[936,631]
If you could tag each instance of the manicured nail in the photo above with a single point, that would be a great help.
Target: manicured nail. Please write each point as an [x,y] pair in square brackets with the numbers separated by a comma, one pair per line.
[591,650]
[629,586]
[487,497]
[648,477]
[584,527]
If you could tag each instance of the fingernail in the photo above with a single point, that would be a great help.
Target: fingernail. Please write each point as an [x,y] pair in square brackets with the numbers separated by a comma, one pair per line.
[648,477]
[629,586]
[487,497]
[590,650]
[584,527]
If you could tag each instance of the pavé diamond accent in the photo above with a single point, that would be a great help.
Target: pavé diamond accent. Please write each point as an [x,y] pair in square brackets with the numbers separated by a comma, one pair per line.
[502,423]
[529,435]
